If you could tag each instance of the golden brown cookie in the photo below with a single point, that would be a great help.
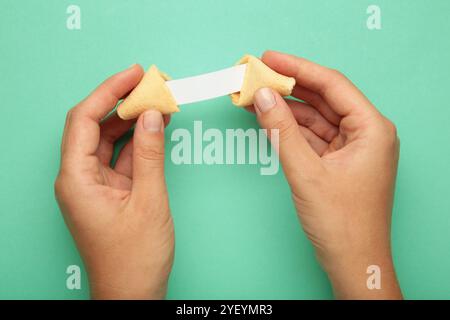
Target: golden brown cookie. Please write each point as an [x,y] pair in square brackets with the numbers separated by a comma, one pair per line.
[151,93]
[257,76]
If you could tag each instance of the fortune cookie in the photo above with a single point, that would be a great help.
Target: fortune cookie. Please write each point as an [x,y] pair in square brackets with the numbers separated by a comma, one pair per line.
[257,76]
[151,93]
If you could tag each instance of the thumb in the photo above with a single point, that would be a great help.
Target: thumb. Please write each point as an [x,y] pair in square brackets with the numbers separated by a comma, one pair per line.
[148,157]
[296,155]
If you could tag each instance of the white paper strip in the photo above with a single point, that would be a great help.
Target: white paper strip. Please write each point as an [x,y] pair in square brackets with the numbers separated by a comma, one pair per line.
[207,86]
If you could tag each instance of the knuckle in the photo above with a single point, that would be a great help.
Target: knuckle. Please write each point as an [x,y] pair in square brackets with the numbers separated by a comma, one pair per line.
[330,134]
[58,186]
[73,113]
[387,131]
[69,115]
[334,78]
[67,181]
[308,121]
[285,127]
[392,128]
[309,117]
[336,75]
[150,153]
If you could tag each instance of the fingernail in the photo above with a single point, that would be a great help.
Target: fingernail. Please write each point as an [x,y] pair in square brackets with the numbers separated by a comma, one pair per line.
[152,121]
[264,99]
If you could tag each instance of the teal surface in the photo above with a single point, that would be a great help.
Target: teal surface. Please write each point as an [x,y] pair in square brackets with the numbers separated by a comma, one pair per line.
[237,235]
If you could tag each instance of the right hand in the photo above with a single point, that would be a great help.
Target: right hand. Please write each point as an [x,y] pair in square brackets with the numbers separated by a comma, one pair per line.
[339,155]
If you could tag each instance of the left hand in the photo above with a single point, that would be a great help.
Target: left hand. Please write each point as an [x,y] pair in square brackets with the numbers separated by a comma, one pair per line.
[119,217]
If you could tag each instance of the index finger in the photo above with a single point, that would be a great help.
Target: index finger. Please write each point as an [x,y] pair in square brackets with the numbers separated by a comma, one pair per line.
[82,132]
[339,92]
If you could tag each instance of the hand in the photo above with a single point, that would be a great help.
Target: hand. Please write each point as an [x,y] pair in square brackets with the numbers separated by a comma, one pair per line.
[119,217]
[339,155]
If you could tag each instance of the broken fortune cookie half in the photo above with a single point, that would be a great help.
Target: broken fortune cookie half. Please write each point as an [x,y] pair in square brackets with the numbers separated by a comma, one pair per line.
[151,93]
[258,75]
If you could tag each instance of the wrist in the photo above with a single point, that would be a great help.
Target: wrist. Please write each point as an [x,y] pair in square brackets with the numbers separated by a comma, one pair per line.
[108,290]
[364,276]
[127,284]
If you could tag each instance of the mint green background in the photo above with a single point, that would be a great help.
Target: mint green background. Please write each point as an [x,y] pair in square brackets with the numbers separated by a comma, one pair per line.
[236,231]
